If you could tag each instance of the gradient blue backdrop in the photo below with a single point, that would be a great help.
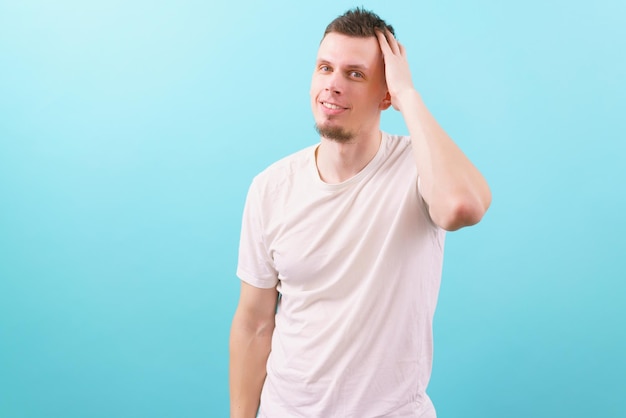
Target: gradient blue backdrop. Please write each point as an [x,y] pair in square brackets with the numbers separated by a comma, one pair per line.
[129,132]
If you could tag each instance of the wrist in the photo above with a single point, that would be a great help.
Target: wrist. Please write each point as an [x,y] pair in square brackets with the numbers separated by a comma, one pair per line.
[407,99]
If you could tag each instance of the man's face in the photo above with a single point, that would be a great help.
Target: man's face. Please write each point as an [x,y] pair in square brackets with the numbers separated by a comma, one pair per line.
[348,88]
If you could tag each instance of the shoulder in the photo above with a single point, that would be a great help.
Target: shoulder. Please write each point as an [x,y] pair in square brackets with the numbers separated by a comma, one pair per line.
[396,143]
[397,152]
[284,171]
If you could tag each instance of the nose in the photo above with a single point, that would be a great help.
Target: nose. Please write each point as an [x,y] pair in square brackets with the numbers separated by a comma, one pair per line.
[334,83]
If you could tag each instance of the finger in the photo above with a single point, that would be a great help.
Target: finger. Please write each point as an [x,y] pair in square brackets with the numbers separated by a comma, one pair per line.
[393,43]
[383,42]
[402,49]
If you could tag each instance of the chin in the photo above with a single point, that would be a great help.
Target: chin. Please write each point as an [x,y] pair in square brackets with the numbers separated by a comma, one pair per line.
[334,133]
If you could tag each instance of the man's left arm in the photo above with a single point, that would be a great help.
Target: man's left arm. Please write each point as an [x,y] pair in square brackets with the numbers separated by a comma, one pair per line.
[455,191]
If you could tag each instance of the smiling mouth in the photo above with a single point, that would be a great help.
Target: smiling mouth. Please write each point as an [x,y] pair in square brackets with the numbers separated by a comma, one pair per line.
[331,106]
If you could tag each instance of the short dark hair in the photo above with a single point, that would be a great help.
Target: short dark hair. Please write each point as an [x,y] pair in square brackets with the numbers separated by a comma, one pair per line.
[359,23]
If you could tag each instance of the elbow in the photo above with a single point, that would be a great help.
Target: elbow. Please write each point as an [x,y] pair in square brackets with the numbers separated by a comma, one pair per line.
[265,329]
[461,212]
[248,325]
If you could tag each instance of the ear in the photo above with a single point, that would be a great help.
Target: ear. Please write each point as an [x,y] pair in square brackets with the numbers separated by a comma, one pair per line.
[384,105]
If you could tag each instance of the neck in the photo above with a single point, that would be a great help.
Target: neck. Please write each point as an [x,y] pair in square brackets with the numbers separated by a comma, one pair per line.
[338,162]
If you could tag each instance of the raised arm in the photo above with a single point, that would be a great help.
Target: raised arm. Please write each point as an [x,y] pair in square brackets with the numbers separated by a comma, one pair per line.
[456,193]
[250,345]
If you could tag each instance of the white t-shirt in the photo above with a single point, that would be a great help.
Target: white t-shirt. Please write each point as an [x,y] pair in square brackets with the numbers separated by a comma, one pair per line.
[358,266]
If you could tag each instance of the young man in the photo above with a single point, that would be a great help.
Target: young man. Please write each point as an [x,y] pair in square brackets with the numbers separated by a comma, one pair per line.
[350,234]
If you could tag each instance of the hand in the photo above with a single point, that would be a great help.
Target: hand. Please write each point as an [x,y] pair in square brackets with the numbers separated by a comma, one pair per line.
[397,71]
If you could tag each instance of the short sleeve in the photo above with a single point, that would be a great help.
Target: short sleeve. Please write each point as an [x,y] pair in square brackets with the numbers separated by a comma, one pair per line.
[423,203]
[255,265]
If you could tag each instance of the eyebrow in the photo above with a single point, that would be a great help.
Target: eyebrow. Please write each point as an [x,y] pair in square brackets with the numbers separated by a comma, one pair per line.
[351,66]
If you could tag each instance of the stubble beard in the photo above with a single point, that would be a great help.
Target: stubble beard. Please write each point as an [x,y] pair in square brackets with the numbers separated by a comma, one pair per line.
[334,133]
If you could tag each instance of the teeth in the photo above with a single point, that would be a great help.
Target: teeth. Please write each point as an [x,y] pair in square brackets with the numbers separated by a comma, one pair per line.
[330,105]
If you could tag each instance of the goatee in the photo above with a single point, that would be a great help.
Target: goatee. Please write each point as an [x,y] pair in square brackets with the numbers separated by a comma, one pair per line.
[334,133]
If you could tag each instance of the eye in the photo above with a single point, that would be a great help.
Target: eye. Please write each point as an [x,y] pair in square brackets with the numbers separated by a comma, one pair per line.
[325,68]
[356,74]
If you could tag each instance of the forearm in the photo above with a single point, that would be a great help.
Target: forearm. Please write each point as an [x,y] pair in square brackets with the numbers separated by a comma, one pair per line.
[249,349]
[456,192]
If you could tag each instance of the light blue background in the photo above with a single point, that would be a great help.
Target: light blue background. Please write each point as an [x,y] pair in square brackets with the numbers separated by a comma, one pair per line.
[129,132]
